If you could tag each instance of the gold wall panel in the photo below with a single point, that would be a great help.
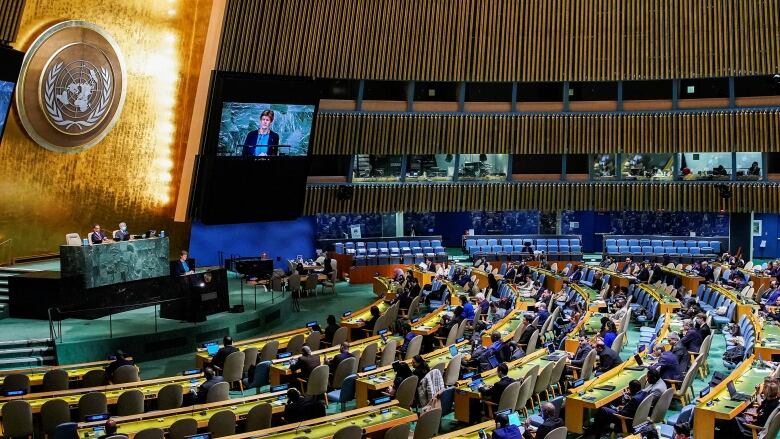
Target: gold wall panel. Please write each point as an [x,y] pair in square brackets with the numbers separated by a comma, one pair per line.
[133,173]
[688,197]
[10,12]
[502,40]
[377,133]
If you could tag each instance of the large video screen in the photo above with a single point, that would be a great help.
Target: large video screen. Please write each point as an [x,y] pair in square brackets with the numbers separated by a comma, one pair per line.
[255,129]
[6,91]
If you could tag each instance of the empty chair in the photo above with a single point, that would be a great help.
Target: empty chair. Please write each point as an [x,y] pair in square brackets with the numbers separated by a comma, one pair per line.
[269,351]
[558,433]
[349,432]
[218,392]
[259,417]
[340,336]
[313,341]
[398,432]
[452,371]
[150,433]
[94,378]
[125,374]
[318,382]
[661,406]
[428,424]
[91,404]
[17,419]
[54,380]
[16,381]
[346,391]
[295,344]
[234,369]
[170,397]
[388,353]
[368,356]
[55,412]
[222,423]
[413,348]
[250,359]
[130,402]
[183,428]
[406,390]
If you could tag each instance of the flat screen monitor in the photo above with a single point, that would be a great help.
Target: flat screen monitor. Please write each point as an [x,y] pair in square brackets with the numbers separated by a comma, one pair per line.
[10,63]
[261,129]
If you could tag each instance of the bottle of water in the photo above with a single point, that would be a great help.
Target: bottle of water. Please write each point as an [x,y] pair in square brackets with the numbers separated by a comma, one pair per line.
[85,242]
[162,233]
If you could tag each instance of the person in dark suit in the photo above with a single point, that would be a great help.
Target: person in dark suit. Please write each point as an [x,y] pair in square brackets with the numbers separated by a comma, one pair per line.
[98,237]
[305,363]
[765,408]
[301,408]
[692,338]
[121,360]
[218,362]
[110,428]
[706,272]
[493,393]
[700,323]
[330,330]
[679,351]
[607,357]
[182,267]
[668,365]
[262,141]
[551,422]
[338,358]
[579,355]
[528,330]
[375,313]
[122,234]
[606,415]
[644,274]
[211,380]
[504,430]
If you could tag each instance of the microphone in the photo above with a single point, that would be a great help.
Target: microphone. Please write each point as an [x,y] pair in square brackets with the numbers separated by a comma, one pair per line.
[296,428]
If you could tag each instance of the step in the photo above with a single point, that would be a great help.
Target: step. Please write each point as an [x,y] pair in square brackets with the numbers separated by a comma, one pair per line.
[25,343]
[18,363]
[25,352]
[3,296]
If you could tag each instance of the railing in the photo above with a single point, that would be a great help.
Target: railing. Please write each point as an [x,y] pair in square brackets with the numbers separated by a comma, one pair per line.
[6,252]
[55,330]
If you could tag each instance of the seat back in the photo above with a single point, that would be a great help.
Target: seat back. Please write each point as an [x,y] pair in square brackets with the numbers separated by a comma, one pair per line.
[234,367]
[222,423]
[250,358]
[269,351]
[91,404]
[452,371]
[16,381]
[318,381]
[428,424]
[313,341]
[170,397]
[55,412]
[182,428]
[344,369]
[398,432]
[340,336]
[93,378]
[259,417]
[150,433]
[772,427]
[262,374]
[588,364]
[405,392]
[218,392]
[55,380]
[349,432]
[661,407]
[368,356]
[543,380]
[17,419]
[130,402]
[388,353]
[72,239]
[643,411]
[509,397]
[295,344]
[413,348]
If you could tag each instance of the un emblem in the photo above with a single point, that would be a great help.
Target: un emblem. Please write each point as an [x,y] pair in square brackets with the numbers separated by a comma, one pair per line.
[72,87]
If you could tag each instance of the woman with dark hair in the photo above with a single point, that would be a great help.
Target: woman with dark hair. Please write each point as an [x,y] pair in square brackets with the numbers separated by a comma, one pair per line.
[609,333]
[331,329]
[420,367]
[493,286]
[402,372]
[374,317]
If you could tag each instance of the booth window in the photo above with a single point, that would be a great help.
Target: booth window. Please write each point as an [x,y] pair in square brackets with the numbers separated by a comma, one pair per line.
[604,167]
[370,168]
[749,166]
[483,167]
[705,166]
[654,167]
[430,167]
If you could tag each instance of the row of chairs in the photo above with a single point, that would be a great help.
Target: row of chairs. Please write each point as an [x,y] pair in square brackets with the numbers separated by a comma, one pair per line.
[540,244]
[362,260]
[711,300]
[394,248]
[589,273]
[711,246]
[58,379]
[748,333]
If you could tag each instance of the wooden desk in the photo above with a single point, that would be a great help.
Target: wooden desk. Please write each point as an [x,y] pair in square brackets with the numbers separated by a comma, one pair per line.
[148,387]
[371,384]
[689,281]
[430,323]
[423,277]
[202,357]
[370,419]
[615,279]
[744,306]
[552,281]
[130,425]
[481,275]
[522,302]
[517,369]
[718,405]
[592,299]
[590,323]
[769,343]
[280,368]
[667,304]
[384,287]
[75,371]
[506,327]
[758,280]
[358,318]
[470,432]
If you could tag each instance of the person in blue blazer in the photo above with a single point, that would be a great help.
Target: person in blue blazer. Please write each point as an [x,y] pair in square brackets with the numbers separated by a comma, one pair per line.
[262,141]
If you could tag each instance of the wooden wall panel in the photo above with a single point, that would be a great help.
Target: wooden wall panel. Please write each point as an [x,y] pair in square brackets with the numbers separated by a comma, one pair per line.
[10,17]
[502,40]
[387,133]
[686,197]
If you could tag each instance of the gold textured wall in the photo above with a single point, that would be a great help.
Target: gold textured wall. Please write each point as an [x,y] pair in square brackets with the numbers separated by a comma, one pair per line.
[685,197]
[133,173]
[502,40]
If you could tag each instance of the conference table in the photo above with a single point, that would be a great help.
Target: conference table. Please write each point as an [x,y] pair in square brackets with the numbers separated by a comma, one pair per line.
[374,421]
[470,432]
[688,280]
[163,419]
[552,281]
[745,306]
[430,323]
[149,388]
[371,384]
[506,327]
[666,302]
[769,344]
[358,318]
[75,371]
[590,323]
[523,299]
[424,277]
[759,279]
[591,296]
[465,395]
[280,368]
[616,279]
[202,358]
[384,287]
[717,405]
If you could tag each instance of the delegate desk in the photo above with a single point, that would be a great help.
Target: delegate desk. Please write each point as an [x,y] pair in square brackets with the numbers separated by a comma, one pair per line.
[745,306]
[717,404]
[506,327]
[688,280]
[759,279]
[470,432]
[280,368]
[148,387]
[358,318]
[371,384]
[666,303]
[616,279]
[384,287]
[481,275]
[591,296]
[75,371]
[202,357]
[552,281]
[769,346]
[595,394]
[430,323]
[373,420]
[465,395]
[590,323]
[130,425]
[115,262]
[423,277]
[523,300]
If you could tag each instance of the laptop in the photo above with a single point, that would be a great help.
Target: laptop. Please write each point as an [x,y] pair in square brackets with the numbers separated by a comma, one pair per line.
[638,359]
[96,417]
[734,395]
[199,436]
[453,351]
[514,419]
[475,383]
[212,349]
[493,362]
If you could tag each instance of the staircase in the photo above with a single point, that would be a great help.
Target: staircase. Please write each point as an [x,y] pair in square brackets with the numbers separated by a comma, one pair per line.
[19,354]
[5,273]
